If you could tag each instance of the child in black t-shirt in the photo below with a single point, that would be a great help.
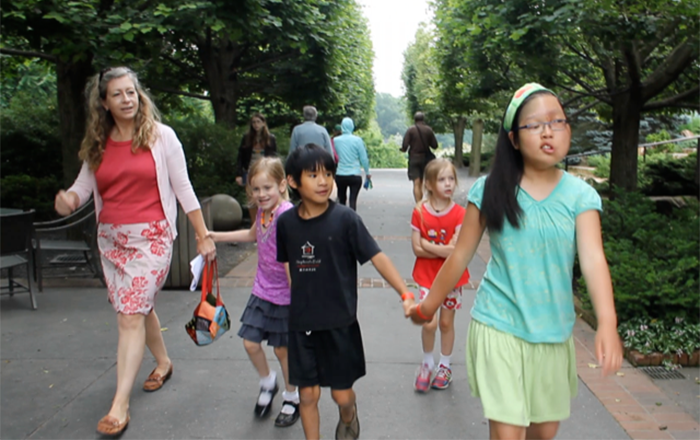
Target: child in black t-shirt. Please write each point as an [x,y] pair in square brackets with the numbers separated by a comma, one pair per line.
[323,242]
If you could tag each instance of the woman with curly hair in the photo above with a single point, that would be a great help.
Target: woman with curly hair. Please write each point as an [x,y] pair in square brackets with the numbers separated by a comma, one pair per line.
[135,168]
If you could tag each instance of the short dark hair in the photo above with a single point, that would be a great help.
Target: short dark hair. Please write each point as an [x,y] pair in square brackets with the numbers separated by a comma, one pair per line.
[418,117]
[310,157]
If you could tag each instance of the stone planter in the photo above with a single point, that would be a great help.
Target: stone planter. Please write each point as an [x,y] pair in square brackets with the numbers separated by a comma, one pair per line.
[655,359]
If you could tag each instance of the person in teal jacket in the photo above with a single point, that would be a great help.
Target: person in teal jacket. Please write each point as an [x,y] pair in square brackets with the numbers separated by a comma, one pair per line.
[352,157]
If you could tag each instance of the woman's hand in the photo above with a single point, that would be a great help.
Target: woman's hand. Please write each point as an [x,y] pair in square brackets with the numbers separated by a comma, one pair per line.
[206,248]
[66,203]
[239,180]
[608,348]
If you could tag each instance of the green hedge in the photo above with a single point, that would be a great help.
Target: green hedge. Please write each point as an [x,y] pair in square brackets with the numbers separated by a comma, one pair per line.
[653,259]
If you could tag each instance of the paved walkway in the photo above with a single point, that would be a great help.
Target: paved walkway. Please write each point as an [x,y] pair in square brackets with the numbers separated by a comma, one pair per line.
[58,364]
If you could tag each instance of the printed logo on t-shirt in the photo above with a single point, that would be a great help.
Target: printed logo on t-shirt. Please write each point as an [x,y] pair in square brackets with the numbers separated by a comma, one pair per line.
[308,262]
[435,237]
[307,250]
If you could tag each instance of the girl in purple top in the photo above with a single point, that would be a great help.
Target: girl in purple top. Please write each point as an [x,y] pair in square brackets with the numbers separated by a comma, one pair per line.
[266,315]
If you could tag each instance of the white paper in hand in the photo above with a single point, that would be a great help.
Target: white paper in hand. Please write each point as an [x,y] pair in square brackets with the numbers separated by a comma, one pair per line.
[196,267]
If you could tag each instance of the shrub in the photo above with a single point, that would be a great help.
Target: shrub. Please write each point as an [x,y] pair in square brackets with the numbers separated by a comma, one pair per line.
[486,158]
[211,151]
[21,191]
[665,175]
[381,154]
[667,337]
[653,259]
[601,163]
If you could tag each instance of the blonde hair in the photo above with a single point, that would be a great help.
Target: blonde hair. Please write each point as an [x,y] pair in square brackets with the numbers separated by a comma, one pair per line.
[272,166]
[430,176]
[100,122]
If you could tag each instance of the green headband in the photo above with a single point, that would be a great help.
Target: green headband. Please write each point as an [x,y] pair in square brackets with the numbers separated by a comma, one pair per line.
[518,97]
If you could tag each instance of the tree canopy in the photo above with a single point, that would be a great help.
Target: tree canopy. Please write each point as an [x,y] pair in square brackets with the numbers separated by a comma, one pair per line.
[618,58]
[246,55]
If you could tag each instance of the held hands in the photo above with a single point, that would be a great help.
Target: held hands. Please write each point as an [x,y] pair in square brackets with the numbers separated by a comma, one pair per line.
[206,247]
[417,315]
[66,203]
[239,180]
[407,304]
[608,348]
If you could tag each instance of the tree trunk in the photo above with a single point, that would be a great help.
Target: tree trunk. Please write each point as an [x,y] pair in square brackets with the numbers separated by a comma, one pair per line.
[458,125]
[697,164]
[71,78]
[222,80]
[475,156]
[626,115]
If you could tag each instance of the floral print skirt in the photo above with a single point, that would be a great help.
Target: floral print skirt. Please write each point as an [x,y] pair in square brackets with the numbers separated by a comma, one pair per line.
[136,260]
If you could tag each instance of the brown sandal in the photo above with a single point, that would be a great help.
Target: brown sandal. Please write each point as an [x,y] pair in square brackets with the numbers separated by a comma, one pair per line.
[111,427]
[156,381]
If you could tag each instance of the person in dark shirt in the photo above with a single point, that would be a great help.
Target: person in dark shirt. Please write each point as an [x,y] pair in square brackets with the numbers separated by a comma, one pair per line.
[323,242]
[418,141]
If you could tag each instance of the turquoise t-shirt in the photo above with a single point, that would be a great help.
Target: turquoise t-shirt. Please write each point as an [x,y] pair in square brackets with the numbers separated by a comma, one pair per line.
[527,289]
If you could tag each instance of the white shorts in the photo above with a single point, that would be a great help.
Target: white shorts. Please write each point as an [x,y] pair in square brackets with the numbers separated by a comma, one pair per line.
[452,302]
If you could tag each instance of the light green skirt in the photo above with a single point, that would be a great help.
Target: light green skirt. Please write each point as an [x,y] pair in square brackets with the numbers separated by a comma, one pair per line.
[519,382]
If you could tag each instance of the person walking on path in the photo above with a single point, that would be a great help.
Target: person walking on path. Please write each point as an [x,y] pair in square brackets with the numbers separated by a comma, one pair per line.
[266,316]
[352,156]
[135,168]
[436,222]
[521,360]
[309,132]
[325,343]
[418,141]
[257,143]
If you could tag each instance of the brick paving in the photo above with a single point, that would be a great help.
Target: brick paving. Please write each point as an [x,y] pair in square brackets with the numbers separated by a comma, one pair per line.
[642,409]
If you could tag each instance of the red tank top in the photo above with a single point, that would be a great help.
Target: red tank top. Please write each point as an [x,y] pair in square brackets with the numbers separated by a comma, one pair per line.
[128,185]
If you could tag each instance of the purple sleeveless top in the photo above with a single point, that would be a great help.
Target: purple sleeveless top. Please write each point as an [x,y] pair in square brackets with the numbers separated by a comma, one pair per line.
[271,283]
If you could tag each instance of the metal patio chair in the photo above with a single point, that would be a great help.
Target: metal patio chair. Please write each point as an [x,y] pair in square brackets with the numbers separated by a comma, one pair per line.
[73,238]
[16,233]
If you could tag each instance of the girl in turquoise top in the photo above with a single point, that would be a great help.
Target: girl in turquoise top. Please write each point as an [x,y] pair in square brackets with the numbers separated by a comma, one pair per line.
[520,352]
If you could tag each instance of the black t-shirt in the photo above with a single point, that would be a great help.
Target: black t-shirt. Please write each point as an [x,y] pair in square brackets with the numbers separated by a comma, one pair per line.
[323,253]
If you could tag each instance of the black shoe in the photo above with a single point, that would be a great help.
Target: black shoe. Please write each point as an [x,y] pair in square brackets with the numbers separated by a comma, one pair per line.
[284,420]
[263,410]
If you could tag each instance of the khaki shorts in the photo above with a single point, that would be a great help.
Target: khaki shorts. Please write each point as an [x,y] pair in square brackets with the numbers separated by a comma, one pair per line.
[519,382]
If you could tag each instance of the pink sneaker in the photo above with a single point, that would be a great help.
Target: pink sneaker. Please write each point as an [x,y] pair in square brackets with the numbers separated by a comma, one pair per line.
[423,379]
[442,378]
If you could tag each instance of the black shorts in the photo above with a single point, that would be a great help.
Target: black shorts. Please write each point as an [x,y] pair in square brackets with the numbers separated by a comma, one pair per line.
[330,358]
[416,166]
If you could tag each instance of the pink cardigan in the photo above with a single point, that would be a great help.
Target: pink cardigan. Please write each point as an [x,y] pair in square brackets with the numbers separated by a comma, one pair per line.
[171,173]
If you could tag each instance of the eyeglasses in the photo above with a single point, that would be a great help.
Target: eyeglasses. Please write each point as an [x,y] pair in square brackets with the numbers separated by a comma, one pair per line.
[538,127]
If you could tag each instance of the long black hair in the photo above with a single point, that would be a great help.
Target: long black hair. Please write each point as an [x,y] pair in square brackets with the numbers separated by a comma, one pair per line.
[501,188]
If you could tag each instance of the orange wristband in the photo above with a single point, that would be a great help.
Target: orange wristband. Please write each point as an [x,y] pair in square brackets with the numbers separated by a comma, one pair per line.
[407,295]
[420,314]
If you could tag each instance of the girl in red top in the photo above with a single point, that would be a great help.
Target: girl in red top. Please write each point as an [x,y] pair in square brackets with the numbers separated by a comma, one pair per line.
[435,223]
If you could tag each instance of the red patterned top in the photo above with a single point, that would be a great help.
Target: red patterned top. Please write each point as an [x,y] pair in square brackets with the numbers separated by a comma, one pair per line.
[128,186]
[438,228]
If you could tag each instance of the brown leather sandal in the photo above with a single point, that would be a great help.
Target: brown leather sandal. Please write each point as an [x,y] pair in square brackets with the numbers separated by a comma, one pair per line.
[111,427]
[156,381]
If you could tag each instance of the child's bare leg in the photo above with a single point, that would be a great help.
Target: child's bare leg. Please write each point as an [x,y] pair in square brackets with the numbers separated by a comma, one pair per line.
[428,335]
[281,353]
[504,431]
[257,357]
[447,331]
[542,431]
[346,402]
[308,408]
